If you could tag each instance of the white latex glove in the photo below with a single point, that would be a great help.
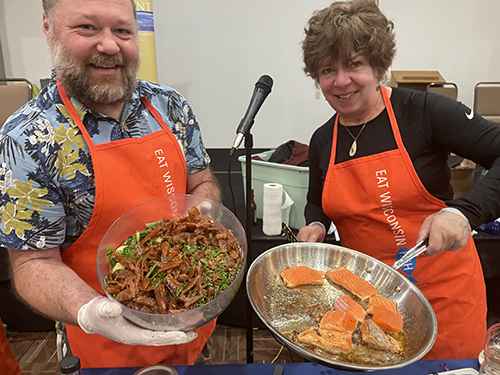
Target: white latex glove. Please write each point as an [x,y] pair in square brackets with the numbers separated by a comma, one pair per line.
[314,232]
[447,229]
[105,318]
[205,208]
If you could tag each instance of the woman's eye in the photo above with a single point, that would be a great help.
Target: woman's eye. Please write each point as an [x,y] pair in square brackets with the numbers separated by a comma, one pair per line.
[325,71]
[356,64]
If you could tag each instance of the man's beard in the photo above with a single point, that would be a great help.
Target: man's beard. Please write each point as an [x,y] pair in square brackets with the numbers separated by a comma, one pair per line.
[75,76]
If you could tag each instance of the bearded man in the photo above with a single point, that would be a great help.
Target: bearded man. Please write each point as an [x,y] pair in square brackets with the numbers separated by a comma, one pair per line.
[79,155]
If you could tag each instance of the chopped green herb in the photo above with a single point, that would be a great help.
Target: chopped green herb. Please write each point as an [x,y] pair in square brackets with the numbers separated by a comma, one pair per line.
[151,270]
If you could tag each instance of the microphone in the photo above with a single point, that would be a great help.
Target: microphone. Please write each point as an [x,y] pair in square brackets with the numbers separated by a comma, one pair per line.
[262,90]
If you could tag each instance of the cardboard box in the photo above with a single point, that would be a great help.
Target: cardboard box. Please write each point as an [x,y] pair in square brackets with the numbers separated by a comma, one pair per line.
[295,181]
[415,79]
[462,177]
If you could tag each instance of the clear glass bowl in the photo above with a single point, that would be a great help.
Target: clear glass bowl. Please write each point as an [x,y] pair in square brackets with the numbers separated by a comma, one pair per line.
[172,207]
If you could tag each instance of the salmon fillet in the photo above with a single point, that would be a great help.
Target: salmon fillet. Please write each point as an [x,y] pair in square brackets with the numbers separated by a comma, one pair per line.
[353,283]
[387,319]
[347,304]
[382,301]
[374,335]
[301,275]
[330,341]
[339,321]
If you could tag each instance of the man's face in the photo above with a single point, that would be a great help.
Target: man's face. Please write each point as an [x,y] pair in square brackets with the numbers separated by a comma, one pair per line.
[94,51]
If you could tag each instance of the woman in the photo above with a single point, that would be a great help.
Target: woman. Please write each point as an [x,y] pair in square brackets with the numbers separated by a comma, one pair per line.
[378,170]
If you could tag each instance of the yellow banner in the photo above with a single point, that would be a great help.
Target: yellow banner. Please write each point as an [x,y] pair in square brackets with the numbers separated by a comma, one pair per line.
[145,20]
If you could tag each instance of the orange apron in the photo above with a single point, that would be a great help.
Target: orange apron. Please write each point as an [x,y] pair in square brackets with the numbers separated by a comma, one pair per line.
[8,363]
[127,172]
[378,204]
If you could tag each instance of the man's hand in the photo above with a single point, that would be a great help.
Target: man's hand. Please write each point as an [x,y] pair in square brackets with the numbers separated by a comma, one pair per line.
[105,318]
[314,232]
[447,229]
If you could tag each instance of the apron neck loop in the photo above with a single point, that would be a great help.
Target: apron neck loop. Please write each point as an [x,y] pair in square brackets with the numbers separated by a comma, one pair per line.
[74,116]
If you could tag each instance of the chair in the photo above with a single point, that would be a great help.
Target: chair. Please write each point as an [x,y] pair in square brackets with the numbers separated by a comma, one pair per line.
[14,92]
[487,100]
[448,89]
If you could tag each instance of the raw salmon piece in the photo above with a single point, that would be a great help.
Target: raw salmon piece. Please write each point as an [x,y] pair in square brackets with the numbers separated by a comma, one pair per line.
[301,275]
[339,321]
[347,304]
[353,283]
[331,341]
[387,319]
[375,336]
[382,301]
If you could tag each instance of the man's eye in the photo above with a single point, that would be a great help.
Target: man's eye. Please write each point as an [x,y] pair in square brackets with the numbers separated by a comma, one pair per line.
[356,64]
[85,27]
[122,31]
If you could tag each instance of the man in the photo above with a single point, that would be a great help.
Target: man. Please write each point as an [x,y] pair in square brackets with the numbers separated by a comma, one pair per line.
[93,144]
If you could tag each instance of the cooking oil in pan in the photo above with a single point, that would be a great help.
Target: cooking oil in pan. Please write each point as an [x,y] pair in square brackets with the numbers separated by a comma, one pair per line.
[293,310]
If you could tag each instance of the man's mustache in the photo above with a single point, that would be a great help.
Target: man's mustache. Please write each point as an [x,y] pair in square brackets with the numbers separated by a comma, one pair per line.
[103,60]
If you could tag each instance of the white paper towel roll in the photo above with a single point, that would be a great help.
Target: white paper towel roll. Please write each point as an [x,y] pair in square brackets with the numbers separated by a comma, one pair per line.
[275,208]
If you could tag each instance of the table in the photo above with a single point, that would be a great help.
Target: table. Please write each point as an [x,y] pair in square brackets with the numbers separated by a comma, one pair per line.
[309,368]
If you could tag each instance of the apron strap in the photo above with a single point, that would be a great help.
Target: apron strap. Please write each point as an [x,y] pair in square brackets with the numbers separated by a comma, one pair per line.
[71,109]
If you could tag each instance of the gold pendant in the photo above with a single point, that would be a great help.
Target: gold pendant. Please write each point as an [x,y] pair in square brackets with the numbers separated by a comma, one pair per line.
[354,148]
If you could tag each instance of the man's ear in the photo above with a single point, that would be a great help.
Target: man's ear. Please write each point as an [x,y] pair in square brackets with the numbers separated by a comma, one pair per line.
[45,25]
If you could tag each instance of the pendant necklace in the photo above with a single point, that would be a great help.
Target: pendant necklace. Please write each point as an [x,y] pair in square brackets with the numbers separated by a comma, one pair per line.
[354,146]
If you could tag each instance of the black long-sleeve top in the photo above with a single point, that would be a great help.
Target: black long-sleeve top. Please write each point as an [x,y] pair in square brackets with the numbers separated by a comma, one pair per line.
[431,127]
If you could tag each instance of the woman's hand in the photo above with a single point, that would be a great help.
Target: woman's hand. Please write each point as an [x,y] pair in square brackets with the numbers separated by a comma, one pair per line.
[314,232]
[447,229]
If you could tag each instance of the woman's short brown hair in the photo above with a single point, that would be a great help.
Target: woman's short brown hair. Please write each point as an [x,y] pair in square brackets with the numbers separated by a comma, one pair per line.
[335,33]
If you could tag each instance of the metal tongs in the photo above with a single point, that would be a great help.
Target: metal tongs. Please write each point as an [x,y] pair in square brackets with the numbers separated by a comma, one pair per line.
[288,233]
[415,251]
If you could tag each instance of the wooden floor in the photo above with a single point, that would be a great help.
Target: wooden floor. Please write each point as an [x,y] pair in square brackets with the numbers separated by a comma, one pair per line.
[36,351]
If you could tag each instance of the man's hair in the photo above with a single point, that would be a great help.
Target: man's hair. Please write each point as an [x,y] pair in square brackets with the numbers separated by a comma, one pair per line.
[335,33]
[48,7]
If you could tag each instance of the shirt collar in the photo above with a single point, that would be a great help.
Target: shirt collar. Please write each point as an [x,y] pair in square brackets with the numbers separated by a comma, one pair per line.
[131,105]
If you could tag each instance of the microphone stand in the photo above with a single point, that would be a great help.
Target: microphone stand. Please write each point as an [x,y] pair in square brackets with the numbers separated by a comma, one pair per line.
[248,187]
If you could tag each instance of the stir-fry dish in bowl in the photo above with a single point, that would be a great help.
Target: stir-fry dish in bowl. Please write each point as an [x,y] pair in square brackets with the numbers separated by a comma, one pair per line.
[177,272]
[173,265]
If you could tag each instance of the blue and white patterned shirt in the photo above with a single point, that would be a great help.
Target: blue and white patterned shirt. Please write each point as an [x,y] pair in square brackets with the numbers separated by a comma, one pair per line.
[47,188]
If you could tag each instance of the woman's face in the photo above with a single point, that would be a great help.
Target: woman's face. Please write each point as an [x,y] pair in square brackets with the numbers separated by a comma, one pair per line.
[350,90]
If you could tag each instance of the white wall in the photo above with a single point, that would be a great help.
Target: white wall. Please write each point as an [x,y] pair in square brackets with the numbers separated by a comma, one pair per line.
[213,52]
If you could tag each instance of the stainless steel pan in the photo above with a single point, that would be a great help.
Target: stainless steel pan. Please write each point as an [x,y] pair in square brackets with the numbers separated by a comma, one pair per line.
[286,310]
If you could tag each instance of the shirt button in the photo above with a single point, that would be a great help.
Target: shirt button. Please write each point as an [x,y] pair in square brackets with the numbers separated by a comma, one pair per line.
[91,180]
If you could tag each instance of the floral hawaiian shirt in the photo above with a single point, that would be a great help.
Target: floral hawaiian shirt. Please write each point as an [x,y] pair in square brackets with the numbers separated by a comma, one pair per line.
[47,188]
